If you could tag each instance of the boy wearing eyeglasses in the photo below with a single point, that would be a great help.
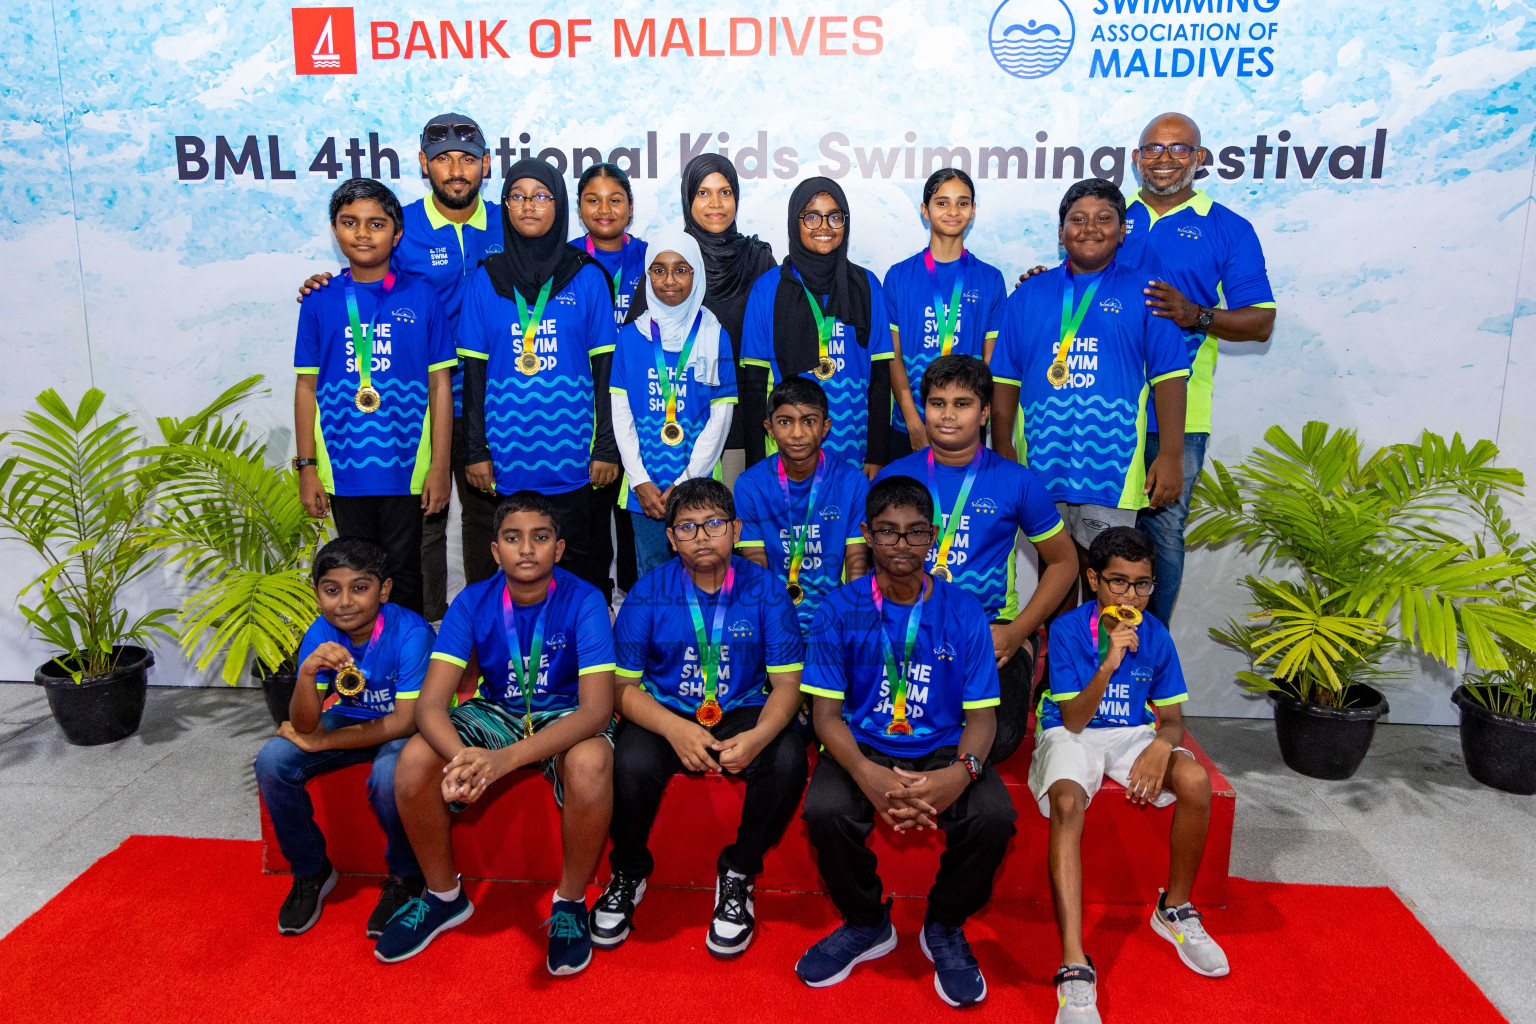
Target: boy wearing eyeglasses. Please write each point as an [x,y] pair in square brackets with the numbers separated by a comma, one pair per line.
[1113,710]
[906,694]
[709,661]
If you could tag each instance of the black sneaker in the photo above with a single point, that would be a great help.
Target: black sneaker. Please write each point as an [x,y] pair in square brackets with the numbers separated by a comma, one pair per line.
[570,942]
[613,915]
[301,909]
[395,893]
[730,933]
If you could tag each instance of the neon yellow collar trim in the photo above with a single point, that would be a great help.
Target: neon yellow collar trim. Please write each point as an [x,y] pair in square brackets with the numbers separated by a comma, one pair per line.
[1199,202]
[437,220]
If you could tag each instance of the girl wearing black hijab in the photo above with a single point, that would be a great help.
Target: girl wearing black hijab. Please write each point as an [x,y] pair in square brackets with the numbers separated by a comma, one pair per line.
[536,334]
[732,263]
[821,316]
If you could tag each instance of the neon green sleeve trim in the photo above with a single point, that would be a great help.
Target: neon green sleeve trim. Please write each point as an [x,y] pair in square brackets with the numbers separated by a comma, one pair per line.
[756,362]
[450,659]
[895,329]
[617,391]
[1259,305]
[1048,534]
[728,400]
[592,670]
[322,687]
[798,666]
[752,544]
[814,691]
[307,370]
[971,705]
[856,540]
[1005,380]
[1059,697]
[1169,376]
[629,673]
[472,354]
[411,695]
[990,334]
[1181,698]
[599,350]
[882,355]
[446,364]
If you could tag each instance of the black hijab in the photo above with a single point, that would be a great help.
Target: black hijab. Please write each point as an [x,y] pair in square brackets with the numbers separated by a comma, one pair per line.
[527,263]
[732,261]
[845,285]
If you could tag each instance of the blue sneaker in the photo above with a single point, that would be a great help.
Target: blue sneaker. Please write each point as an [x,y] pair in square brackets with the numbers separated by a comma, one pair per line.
[956,975]
[418,923]
[570,943]
[834,957]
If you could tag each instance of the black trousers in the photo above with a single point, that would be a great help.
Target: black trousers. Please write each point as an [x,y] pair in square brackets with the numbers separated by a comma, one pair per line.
[1015,679]
[644,762]
[575,509]
[393,522]
[476,510]
[976,827]
[616,547]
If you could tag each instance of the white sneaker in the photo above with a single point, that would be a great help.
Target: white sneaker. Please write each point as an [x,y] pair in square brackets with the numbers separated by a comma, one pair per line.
[1183,927]
[730,932]
[1077,994]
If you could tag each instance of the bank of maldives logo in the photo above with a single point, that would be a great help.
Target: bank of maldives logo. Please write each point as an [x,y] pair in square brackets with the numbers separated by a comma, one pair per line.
[323,43]
[1031,38]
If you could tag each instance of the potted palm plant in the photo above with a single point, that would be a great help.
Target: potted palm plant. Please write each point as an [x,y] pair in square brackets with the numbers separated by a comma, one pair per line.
[1372,555]
[235,527]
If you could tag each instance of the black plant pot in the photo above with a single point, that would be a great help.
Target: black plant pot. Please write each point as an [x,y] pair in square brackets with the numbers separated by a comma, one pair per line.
[277,687]
[98,709]
[1327,743]
[1500,750]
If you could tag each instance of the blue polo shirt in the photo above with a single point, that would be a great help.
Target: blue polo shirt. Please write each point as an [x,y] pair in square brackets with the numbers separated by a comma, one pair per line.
[577,641]
[1210,254]
[539,428]
[909,301]
[625,268]
[388,451]
[657,645]
[848,388]
[1148,678]
[1085,439]
[391,671]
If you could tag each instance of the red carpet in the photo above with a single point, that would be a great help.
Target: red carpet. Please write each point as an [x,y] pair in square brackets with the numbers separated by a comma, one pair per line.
[168,929]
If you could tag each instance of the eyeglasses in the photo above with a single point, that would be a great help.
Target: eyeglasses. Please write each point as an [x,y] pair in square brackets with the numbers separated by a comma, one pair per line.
[835,219]
[1121,585]
[711,528]
[660,273]
[540,200]
[917,537]
[435,133]
[1177,150]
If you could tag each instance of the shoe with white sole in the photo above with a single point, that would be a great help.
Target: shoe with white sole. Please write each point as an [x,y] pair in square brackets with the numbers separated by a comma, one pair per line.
[1183,927]
[730,931]
[1077,994]
[834,957]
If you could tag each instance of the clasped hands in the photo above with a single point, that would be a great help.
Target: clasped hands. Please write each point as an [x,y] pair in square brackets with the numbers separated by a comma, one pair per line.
[912,800]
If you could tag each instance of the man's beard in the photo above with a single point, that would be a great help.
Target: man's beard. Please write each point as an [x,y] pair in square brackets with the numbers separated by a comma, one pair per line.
[1182,182]
[453,202]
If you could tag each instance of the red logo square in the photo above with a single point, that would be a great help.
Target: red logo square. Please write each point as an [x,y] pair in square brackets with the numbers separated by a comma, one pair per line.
[323,43]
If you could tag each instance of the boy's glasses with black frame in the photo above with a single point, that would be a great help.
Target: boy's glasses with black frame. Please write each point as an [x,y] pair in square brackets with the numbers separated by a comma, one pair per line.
[1119,585]
[711,527]
[919,537]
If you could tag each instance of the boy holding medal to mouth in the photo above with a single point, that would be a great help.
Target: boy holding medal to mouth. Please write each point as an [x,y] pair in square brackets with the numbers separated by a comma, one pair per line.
[373,403]
[360,668]
[709,677]
[906,693]
[542,639]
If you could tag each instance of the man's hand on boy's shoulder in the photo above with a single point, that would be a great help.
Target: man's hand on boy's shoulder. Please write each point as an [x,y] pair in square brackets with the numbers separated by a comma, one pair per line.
[313,283]
[309,742]
[329,655]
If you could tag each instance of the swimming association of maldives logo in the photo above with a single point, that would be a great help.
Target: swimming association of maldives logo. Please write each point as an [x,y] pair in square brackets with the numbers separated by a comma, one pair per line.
[323,42]
[1031,38]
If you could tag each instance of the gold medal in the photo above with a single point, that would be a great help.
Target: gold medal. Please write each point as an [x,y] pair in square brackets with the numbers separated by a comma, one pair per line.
[350,681]
[671,433]
[367,400]
[708,713]
[527,725]
[899,727]
[1125,613]
[796,592]
[941,572]
[825,368]
[1057,373]
[528,362]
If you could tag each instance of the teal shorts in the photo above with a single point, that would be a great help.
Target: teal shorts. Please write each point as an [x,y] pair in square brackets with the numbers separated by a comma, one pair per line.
[488,725]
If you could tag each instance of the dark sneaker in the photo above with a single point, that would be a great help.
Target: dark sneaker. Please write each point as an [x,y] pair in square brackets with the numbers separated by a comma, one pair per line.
[834,957]
[1077,994]
[301,909]
[570,944]
[395,893]
[1183,926]
[614,913]
[418,923]
[956,975]
[730,933]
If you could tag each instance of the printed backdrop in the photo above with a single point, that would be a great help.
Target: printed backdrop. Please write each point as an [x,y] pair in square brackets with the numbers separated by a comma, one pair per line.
[166,168]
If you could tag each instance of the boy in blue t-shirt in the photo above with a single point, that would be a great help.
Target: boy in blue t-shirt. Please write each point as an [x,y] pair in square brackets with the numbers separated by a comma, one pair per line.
[373,404]
[906,693]
[542,639]
[360,668]
[1113,710]
[807,504]
[709,676]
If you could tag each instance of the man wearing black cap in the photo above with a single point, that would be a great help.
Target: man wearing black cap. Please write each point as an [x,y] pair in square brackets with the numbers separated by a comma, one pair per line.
[446,235]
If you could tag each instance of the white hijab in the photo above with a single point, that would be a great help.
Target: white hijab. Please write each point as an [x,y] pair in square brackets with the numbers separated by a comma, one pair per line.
[674,322]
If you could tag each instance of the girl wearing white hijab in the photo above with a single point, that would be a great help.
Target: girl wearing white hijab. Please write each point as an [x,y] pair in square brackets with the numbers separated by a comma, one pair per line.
[671,390]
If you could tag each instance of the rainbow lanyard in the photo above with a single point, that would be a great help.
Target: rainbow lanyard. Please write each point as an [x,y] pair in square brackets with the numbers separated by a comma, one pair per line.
[824,323]
[362,342]
[663,375]
[947,316]
[1072,319]
[797,544]
[529,325]
[709,643]
[618,277]
[525,671]
[947,536]
[896,674]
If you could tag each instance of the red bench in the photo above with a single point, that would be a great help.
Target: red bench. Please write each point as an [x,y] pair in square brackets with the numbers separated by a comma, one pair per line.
[515,836]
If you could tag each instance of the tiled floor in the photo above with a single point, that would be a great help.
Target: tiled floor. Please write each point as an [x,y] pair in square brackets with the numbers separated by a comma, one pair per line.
[1462,856]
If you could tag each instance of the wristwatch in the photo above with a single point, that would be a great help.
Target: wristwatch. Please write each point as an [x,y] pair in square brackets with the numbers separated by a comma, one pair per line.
[298,463]
[972,764]
[1205,319]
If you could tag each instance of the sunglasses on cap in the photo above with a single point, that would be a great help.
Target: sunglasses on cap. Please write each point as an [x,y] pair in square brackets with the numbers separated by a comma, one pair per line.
[435,133]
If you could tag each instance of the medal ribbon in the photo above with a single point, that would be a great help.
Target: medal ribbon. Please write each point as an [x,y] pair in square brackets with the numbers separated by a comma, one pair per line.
[529,325]
[896,674]
[948,317]
[709,643]
[947,534]
[824,323]
[668,387]
[618,275]
[361,663]
[362,343]
[1072,319]
[525,671]
[797,544]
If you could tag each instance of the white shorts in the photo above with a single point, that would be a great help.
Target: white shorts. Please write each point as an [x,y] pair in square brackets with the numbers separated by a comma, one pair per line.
[1087,757]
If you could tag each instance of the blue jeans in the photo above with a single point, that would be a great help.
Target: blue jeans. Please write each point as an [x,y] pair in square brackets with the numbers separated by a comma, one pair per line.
[1166,527]
[652,550]
[282,769]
